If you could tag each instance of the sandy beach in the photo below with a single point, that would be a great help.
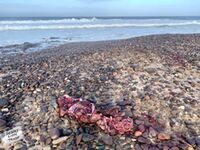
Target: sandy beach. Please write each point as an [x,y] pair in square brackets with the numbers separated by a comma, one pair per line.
[157,75]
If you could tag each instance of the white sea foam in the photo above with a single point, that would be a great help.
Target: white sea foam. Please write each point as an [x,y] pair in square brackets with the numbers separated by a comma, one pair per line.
[71,20]
[88,26]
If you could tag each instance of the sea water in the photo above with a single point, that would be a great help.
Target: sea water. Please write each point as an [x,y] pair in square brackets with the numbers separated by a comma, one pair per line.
[48,31]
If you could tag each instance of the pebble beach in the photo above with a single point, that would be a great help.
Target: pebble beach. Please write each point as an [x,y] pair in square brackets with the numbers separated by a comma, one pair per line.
[156,75]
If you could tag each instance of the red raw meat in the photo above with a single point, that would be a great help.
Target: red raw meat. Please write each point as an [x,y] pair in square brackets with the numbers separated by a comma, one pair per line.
[85,112]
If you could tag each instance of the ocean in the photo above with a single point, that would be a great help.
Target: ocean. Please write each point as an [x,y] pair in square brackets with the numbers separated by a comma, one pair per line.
[19,35]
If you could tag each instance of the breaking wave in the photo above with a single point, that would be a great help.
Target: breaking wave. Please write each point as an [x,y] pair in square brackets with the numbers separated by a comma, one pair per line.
[53,21]
[94,25]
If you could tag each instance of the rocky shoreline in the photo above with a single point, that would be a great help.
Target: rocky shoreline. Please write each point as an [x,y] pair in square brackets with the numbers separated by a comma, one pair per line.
[156,75]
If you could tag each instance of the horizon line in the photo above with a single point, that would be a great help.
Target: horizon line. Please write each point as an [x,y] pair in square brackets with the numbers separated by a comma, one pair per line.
[86,16]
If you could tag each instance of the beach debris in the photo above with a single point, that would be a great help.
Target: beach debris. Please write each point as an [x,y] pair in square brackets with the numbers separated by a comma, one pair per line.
[12,136]
[114,122]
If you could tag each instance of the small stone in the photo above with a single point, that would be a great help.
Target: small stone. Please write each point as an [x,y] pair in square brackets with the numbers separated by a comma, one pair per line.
[87,137]
[118,147]
[152,132]
[67,132]
[42,139]
[190,148]
[5,110]
[29,99]
[137,147]
[20,147]
[100,146]
[141,127]
[46,148]
[153,148]
[147,97]
[107,139]
[143,140]
[183,146]
[165,148]
[138,133]
[135,67]
[150,70]
[78,138]
[174,148]
[125,102]
[2,124]
[197,141]
[48,141]
[3,102]
[182,107]
[138,122]
[191,141]
[59,140]
[54,133]
[54,102]
[163,136]
[145,147]
[128,112]
[177,91]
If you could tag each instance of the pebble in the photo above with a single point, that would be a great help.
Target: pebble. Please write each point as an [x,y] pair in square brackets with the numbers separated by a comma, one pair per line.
[59,140]
[107,139]
[165,147]
[138,122]
[5,110]
[48,141]
[124,103]
[143,140]
[198,141]
[135,67]
[174,148]
[163,136]
[3,102]
[2,124]
[78,138]
[152,132]
[182,107]
[138,133]
[190,148]
[153,148]
[47,148]
[42,139]
[67,132]
[87,137]
[128,112]
[54,102]
[20,147]
[150,70]
[54,133]
[177,91]
[141,127]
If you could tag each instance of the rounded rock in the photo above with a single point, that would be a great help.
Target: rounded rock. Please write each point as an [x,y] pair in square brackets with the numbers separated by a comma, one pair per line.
[163,136]
[54,133]
[138,133]
[3,102]
[87,137]
[107,139]
[2,124]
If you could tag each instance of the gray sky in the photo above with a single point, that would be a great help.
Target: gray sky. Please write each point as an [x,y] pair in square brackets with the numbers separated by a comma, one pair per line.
[64,8]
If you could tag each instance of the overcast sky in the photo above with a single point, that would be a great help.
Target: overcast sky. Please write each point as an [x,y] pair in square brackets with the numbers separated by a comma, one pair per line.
[64,8]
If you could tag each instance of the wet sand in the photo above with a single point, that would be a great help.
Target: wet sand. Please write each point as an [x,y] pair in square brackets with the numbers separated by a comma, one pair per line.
[158,75]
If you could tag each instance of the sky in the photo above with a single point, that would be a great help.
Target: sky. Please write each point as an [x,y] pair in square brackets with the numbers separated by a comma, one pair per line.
[67,8]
